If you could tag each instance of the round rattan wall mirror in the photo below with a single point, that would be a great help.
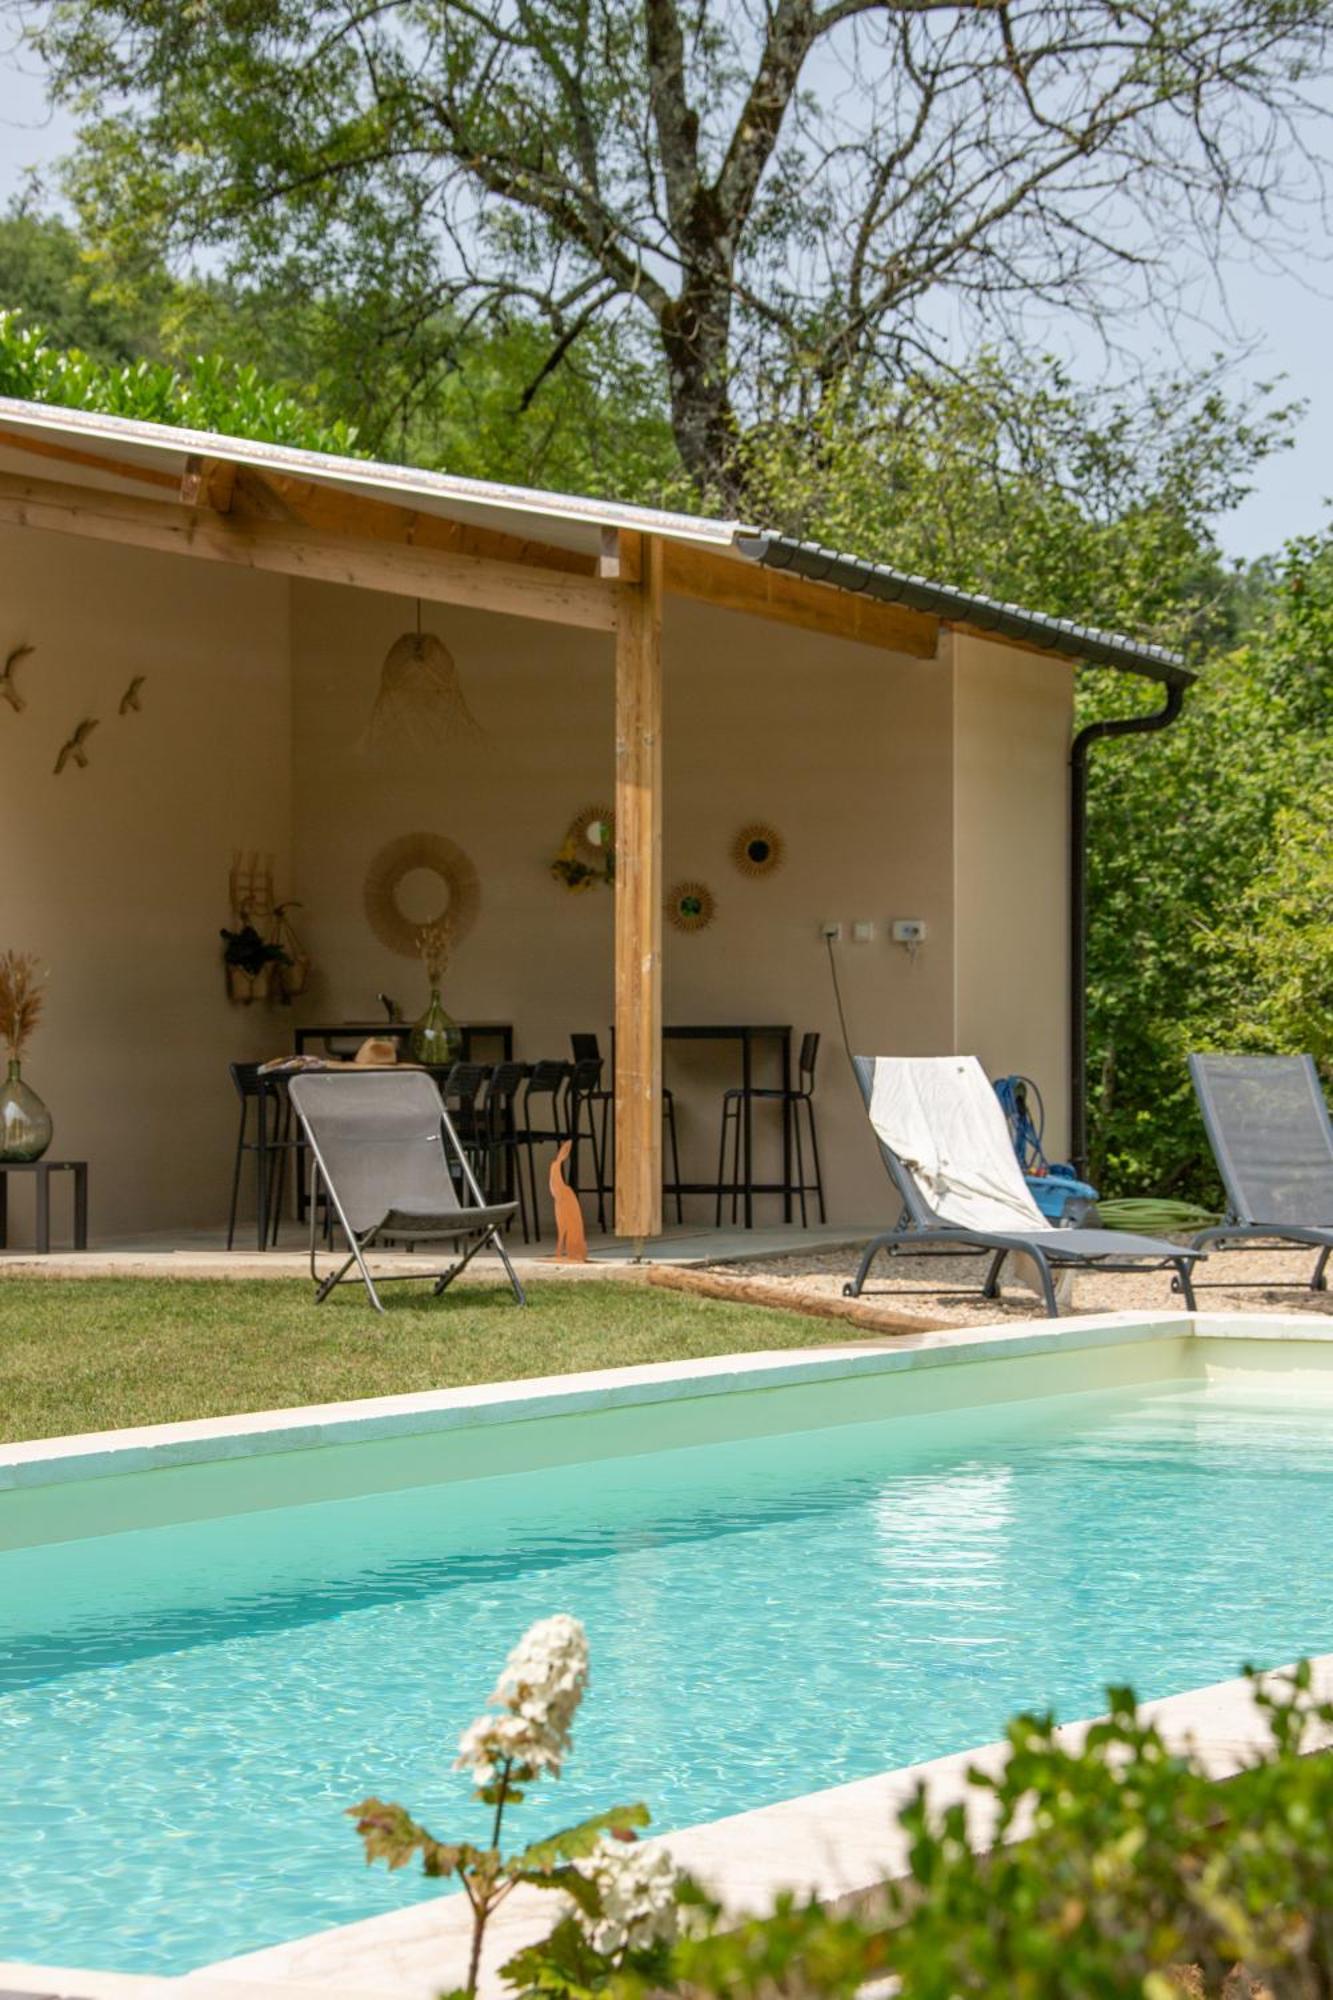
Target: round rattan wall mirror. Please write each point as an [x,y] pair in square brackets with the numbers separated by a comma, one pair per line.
[690,906]
[451,905]
[594,828]
[757,850]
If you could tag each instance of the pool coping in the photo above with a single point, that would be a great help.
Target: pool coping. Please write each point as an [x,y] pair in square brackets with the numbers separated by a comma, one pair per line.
[832,1843]
[835,1843]
[201,1440]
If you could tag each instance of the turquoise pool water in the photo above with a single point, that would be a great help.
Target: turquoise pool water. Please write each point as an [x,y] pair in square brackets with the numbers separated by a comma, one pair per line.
[186,1711]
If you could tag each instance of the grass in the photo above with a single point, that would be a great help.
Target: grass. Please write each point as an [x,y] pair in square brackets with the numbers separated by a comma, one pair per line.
[89,1354]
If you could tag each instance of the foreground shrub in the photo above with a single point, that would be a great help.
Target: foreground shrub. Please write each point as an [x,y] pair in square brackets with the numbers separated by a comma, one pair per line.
[1121,1871]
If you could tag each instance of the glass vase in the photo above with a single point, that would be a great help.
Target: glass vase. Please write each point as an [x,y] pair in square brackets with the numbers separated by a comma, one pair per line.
[437,1037]
[25,1122]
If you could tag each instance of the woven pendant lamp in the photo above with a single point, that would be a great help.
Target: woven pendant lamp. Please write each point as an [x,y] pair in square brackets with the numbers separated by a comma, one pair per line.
[420,693]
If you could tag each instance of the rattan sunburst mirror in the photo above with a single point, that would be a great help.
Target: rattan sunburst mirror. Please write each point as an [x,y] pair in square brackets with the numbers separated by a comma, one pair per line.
[757,849]
[460,892]
[690,906]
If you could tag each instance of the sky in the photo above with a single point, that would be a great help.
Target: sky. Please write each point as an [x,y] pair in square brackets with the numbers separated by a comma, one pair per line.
[1283,317]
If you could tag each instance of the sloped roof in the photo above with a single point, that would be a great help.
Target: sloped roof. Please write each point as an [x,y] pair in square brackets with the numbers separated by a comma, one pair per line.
[161,453]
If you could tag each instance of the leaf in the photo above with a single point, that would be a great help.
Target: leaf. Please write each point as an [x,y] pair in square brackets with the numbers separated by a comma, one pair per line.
[391,1835]
[574,1842]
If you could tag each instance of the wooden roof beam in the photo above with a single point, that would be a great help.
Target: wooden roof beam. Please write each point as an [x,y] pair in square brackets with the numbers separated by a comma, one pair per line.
[293,549]
[793,600]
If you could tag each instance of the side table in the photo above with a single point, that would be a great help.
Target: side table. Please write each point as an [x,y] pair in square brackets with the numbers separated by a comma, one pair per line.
[44,1169]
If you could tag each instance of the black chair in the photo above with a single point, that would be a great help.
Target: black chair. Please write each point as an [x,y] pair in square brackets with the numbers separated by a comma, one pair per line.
[587,1049]
[271,1142]
[587,1108]
[461,1089]
[792,1101]
[497,1141]
[543,1121]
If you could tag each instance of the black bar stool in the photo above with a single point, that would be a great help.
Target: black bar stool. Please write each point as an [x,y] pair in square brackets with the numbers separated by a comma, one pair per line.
[498,1142]
[792,1101]
[542,1122]
[271,1144]
[587,1109]
[587,1049]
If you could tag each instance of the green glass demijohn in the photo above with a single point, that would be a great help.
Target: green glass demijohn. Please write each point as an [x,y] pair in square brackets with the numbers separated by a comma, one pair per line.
[25,1122]
[437,1037]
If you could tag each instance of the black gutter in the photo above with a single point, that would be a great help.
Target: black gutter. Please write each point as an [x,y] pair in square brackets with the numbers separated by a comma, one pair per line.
[964,607]
[1094,732]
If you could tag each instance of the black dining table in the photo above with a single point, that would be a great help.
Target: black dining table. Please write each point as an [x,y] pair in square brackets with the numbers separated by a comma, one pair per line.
[477,1035]
[750,1035]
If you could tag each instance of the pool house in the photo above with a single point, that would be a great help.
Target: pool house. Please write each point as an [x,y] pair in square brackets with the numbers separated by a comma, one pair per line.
[682,784]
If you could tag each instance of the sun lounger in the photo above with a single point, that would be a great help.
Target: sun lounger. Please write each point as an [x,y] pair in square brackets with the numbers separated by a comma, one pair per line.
[392,1166]
[944,1141]
[1268,1125]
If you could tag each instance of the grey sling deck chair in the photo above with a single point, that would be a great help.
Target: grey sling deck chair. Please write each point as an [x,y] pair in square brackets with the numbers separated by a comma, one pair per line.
[391,1164]
[1268,1125]
[944,1140]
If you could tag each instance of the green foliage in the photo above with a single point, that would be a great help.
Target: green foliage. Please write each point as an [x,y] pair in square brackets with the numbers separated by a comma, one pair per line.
[1091,504]
[48,279]
[211,395]
[1208,886]
[1119,1870]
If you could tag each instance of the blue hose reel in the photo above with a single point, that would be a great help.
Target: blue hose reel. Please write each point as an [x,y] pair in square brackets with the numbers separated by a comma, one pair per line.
[1057,1190]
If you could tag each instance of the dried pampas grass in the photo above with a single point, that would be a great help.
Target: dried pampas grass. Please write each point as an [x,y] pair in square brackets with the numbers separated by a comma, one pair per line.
[21,1000]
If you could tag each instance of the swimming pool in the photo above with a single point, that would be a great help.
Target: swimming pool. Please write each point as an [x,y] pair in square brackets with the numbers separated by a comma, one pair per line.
[186,1708]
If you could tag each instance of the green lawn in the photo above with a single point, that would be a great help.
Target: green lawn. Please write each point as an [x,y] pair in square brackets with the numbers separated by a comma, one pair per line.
[92,1354]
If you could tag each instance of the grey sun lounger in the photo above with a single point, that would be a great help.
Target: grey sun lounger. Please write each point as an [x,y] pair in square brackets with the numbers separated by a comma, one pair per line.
[391,1165]
[943,1139]
[1268,1125]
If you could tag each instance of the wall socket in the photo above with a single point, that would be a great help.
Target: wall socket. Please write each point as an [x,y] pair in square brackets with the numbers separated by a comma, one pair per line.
[831,931]
[908,930]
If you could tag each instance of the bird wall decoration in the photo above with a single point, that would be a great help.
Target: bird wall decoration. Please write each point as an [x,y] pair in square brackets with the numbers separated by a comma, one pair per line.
[130,701]
[73,750]
[8,687]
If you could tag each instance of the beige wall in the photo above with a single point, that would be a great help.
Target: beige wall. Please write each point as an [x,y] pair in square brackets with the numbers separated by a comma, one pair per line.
[116,876]
[843,748]
[929,789]
[1013,714]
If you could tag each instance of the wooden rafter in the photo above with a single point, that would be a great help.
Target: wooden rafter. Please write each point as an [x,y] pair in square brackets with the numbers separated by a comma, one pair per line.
[208,482]
[68,454]
[793,600]
[332,514]
[293,549]
[355,514]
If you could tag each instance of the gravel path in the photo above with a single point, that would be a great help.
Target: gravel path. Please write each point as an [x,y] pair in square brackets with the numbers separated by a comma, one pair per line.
[1282,1277]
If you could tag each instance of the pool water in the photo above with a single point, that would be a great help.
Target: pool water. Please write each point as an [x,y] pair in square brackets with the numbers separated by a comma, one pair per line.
[185,1712]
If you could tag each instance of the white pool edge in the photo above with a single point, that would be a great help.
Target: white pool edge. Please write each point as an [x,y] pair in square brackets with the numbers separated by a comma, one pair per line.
[832,1844]
[148,1447]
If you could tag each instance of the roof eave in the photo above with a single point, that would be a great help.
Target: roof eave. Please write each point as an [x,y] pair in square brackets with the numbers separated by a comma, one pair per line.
[1060,636]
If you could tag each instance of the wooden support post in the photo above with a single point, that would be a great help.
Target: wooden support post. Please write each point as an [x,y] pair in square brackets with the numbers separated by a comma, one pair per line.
[638,1190]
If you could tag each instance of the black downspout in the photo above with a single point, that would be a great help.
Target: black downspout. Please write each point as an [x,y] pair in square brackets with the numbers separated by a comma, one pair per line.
[1133,725]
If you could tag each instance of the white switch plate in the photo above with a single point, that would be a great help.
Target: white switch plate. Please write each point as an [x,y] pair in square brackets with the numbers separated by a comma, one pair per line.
[908,930]
[863,931]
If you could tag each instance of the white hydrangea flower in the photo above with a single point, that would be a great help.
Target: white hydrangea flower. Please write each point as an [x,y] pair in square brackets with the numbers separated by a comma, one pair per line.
[540,1688]
[636,1888]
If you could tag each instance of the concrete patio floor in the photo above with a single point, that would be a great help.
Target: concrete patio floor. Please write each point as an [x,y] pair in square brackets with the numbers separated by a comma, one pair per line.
[202,1253]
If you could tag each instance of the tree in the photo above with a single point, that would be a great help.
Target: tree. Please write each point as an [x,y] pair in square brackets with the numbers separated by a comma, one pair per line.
[782,195]
[46,277]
